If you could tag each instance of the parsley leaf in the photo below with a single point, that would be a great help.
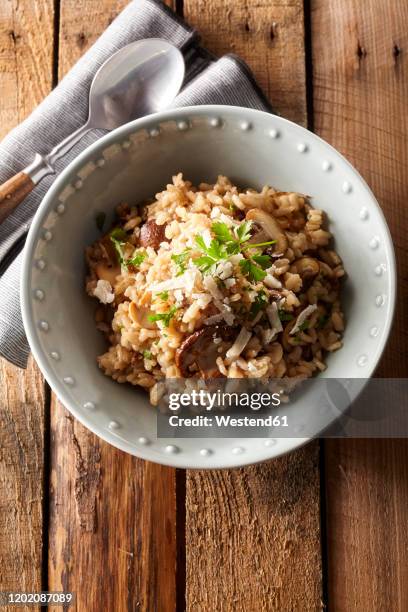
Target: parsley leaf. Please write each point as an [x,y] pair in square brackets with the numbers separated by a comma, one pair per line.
[164,295]
[232,242]
[252,270]
[262,260]
[285,316]
[214,253]
[304,325]
[181,261]
[204,263]
[222,232]
[259,304]
[243,231]
[229,242]
[119,238]
[166,317]
[147,354]
[136,260]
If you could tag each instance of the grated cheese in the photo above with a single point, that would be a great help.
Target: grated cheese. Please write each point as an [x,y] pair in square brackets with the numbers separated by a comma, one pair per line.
[302,318]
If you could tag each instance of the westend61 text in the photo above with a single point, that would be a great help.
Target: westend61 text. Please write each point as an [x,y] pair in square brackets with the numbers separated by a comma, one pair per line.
[229,421]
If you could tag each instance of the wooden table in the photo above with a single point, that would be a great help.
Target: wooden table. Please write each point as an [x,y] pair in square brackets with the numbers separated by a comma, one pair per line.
[326,526]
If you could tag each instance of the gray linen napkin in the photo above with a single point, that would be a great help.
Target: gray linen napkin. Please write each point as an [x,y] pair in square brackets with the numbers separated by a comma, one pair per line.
[208,81]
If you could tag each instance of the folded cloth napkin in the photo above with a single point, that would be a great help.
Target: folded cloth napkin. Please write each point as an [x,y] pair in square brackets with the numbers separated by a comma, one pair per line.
[208,81]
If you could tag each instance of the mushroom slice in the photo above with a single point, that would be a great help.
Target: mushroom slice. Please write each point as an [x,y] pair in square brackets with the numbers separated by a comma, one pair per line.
[270,226]
[107,272]
[306,267]
[141,316]
[200,350]
[257,237]
[152,235]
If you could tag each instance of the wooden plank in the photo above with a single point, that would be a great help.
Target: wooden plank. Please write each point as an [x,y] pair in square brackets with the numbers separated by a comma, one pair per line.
[360,89]
[81,23]
[112,535]
[112,532]
[253,535]
[26,56]
[269,36]
[21,477]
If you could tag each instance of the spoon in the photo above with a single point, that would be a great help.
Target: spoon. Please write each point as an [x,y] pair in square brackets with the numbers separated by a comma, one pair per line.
[142,78]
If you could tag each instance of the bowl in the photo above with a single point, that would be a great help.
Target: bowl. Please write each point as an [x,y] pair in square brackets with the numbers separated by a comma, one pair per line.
[130,164]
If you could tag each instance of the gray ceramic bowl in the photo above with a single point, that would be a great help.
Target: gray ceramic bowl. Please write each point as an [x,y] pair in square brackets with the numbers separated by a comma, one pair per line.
[132,163]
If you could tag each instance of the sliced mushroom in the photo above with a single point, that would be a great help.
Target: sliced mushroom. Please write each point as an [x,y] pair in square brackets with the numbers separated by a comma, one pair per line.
[270,226]
[306,267]
[107,272]
[152,235]
[200,350]
[258,237]
[141,316]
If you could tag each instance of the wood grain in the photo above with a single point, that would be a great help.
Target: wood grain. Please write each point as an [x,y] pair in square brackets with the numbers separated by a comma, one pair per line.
[269,36]
[21,477]
[360,91]
[26,56]
[112,535]
[367,499]
[252,538]
[81,23]
[112,532]
[253,535]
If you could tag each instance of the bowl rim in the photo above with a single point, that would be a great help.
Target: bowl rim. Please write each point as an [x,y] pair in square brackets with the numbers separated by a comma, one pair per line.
[43,210]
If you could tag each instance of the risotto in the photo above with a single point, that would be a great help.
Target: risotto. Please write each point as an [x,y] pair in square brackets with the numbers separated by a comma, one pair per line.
[213,282]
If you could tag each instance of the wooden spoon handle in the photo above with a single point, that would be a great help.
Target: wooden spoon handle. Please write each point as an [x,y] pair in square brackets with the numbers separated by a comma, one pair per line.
[12,192]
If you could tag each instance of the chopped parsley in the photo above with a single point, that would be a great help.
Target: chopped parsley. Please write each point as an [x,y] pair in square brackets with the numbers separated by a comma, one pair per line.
[100,219]
[304,325]
[259,304]
[285,316]
[322,321]
[119,238]
[166,317]
[164,295]
[147,354]
[181,261]
[136,260]
[118,234]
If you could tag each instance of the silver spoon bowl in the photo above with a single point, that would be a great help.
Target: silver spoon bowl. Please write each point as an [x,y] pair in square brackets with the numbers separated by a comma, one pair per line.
[140,79]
